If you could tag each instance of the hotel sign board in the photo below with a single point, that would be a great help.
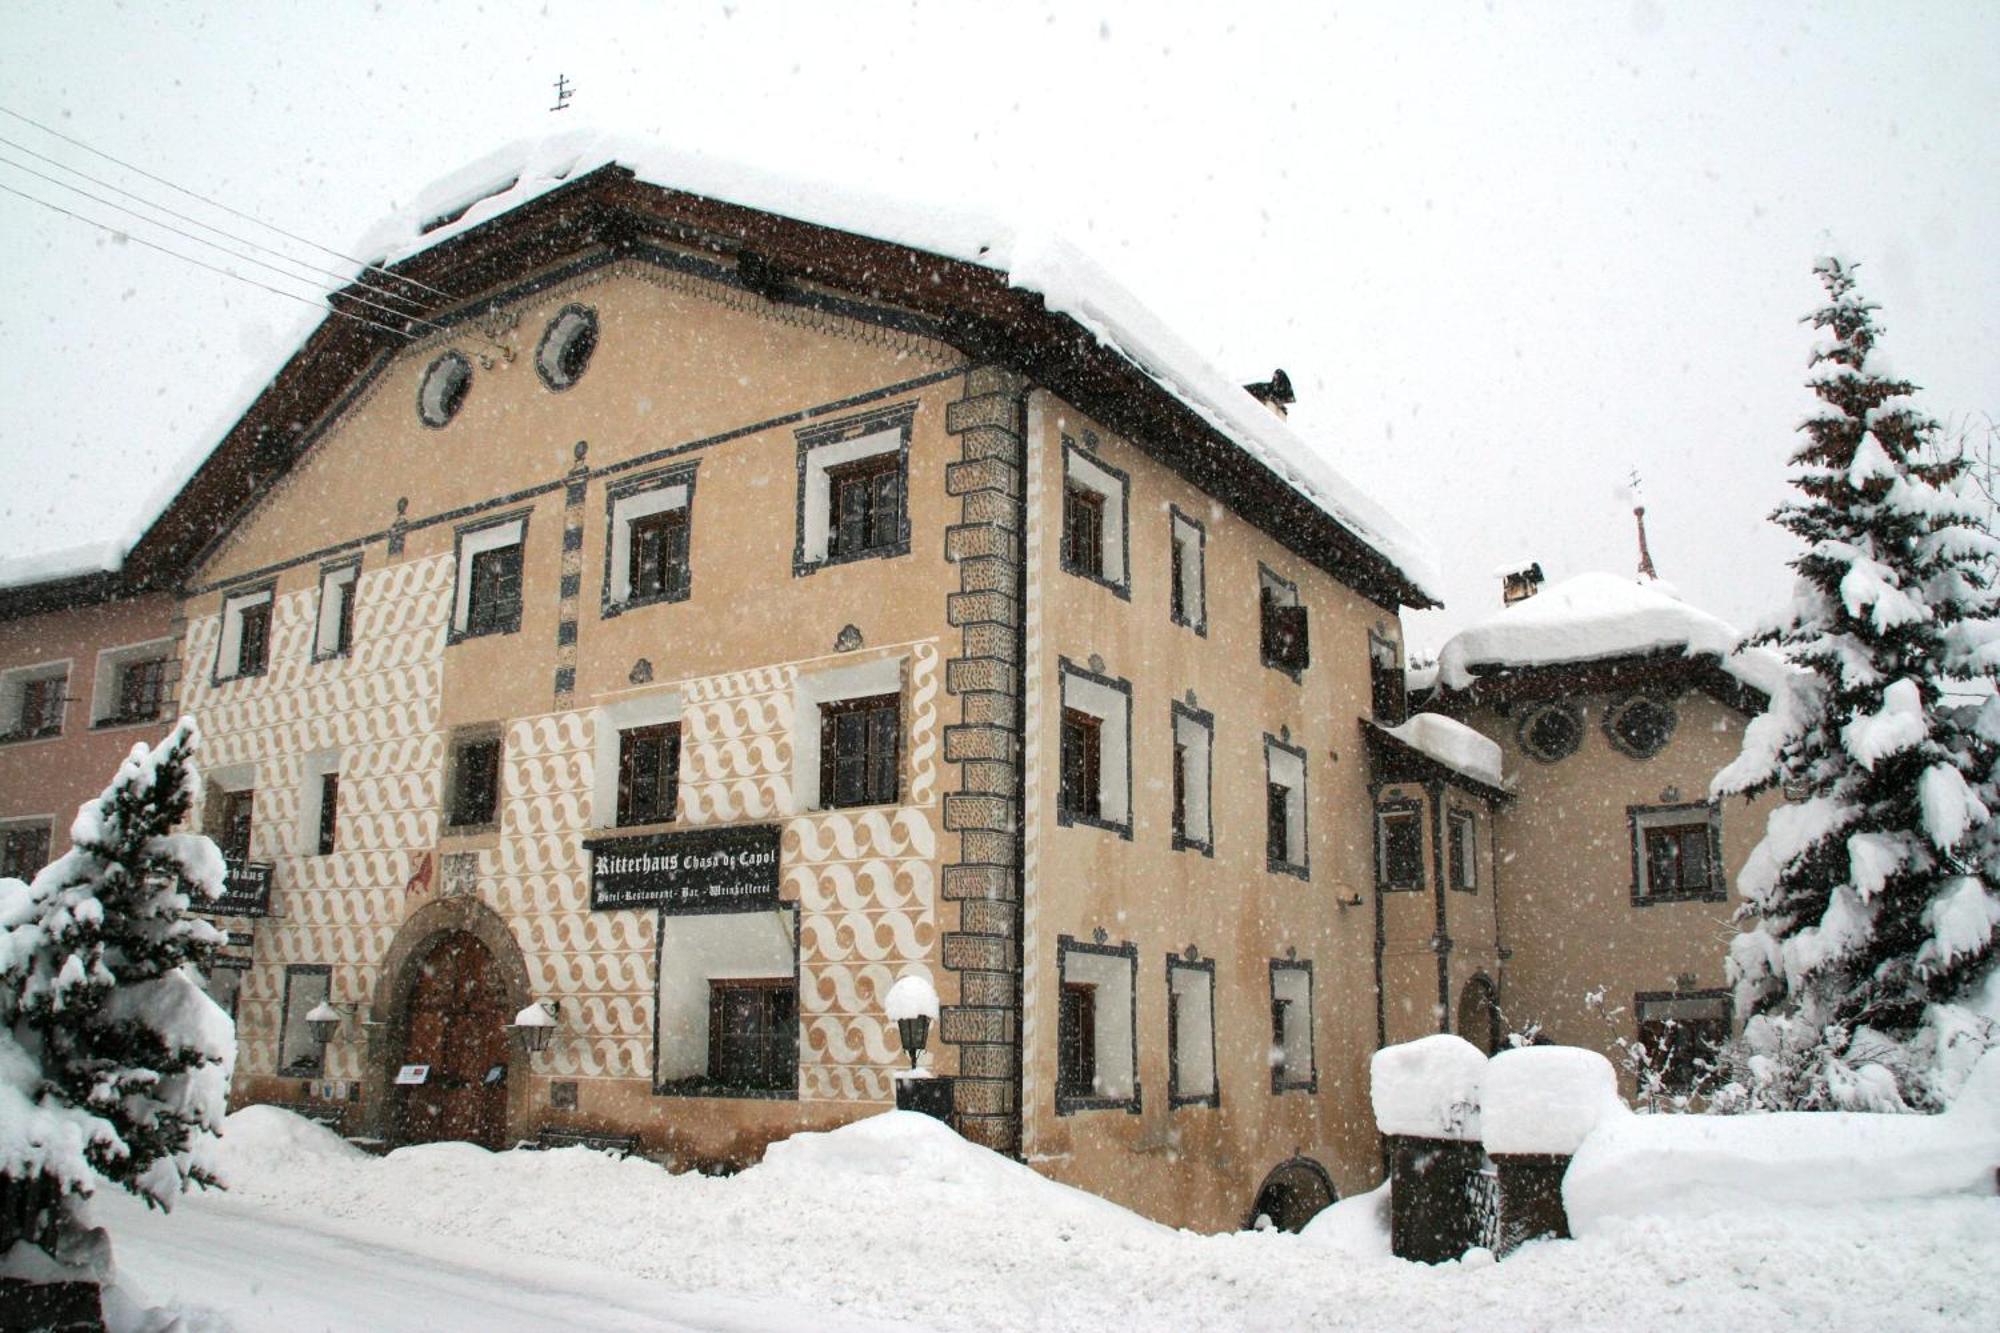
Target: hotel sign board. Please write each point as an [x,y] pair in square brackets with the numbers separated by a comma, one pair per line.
[246,891]
[701,870]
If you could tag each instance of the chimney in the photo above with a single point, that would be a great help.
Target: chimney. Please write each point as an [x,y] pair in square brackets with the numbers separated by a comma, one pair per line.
[1274,393]
[1519,582]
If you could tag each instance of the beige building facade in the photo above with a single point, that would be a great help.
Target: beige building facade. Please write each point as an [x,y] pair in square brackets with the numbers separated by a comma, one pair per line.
[614,680]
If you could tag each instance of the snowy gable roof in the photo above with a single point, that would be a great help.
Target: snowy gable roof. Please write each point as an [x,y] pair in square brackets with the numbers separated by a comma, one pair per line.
[1452,744]
[1032,259]
[1598,617]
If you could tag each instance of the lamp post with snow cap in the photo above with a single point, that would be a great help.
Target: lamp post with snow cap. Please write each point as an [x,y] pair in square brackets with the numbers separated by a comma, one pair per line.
[913,1005]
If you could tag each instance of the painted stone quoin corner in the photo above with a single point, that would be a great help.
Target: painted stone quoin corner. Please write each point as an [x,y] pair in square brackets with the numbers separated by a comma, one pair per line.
[702,616]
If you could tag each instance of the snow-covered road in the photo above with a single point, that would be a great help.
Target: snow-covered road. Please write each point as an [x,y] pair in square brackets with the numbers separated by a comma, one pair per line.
[260,1269]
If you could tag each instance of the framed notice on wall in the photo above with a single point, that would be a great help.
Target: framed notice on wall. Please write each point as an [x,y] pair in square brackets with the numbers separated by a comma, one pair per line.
[413,1074]
[701,870]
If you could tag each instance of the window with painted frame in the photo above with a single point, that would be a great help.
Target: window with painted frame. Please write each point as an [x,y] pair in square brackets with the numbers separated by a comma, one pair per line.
[1187,573]
[753,1033]
[1676,853]
[1193,750]
[1285,848]
[1292,1059]
[648,554]
[1462,850]
[333,629]
[649,760]
[1095,738]
[860,751]
[35,700]
[487,596]
[1191,1073]
[1683,1033]
[132,683]
[1399,845]
[1283,641]
[24,849]
[1097,1043]
[472,780]
[1096,517]
[244,648]
[854,489]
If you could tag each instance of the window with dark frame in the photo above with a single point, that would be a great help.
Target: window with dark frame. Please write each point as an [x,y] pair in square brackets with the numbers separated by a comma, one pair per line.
[865,506]
[860,744]
[753,1034]
[1187,580]
[1682,1034]
[649,761]
[24,851]
[42,700]
[1082,790]
[475,783]
[342,591]
[1076,1041]
[1180,790]
[253,642]
[1083,529]
[493,600]
[1462,850]
[1400,848]
[658,563]
[1677,861]
[1283,639]
[329,811]
[142,688]
[1277,822]
[235,813]
[1387,689]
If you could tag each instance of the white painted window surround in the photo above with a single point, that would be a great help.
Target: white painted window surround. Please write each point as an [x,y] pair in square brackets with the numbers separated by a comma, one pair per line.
[110,662]
[230,653]
[1114,760]
[645,710]
[1195,739]
[485,539]
[1079,469]
[1187,539]
[1111,973]
[1194,1030]
[1287,770]
[628,510]
[316,766]
[326,630]
[858,680]
[817,502]
[1293,985]
[695,950]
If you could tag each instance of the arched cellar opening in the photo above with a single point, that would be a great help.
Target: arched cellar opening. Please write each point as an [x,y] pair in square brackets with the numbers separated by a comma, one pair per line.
[1293,1194]
[1479,1014]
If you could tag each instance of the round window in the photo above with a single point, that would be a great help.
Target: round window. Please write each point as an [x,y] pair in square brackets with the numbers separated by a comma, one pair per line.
[443,389]
[566,346]
[1640,727]
[1551,732]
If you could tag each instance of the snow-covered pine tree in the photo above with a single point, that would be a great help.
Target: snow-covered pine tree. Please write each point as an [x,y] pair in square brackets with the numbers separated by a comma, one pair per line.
[1874,888]
[114,1063]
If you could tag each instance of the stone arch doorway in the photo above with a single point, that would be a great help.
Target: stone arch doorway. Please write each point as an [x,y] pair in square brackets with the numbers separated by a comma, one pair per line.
[455,1025]
[452,981]
[1293,1194]
[1479,1013]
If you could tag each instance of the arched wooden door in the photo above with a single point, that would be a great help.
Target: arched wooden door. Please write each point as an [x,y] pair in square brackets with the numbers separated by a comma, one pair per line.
[456,1025]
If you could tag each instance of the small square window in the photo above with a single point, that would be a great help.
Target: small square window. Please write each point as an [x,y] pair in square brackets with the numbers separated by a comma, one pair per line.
[133,683]
[24,850]
[1676,853]
[39,703]
[245,646]
[490,563]
[1194,732]
[1187,579]
[1682,1034]
[854,489]
[1284,808]
[649,760]
[1463,850]
[860,751]
[1191,1033]
[1399,847]
[1282,636]
[753,1034]
[1095,784]
[474,781]
[650,523]
[333,634]
[1094,517]
[1292,1027]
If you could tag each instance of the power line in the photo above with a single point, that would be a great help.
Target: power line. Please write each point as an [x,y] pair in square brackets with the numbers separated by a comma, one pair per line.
[189,259]
[343,278]
[213,245]
[235,212]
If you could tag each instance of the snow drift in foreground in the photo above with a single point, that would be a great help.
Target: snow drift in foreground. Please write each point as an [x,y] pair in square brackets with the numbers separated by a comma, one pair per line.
[894,1218]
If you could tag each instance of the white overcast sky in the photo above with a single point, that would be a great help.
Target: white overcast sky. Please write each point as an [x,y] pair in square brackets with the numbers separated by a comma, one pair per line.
[1508,253]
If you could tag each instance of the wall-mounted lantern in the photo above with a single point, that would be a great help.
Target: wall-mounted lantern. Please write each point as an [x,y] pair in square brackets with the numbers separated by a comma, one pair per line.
[536,1025]
[323,1021]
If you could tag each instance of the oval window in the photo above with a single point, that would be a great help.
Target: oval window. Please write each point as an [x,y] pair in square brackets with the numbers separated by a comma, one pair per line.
[1640,727]
[443,389]
[566,347]
[1551,732]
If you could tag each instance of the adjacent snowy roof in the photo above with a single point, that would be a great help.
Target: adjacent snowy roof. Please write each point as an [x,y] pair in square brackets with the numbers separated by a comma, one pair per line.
[1452,744]
[1594,617]
[1032,257]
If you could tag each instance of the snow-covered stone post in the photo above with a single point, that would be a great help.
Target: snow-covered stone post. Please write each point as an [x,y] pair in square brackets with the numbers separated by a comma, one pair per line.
[1427,1101]
[1537,1105]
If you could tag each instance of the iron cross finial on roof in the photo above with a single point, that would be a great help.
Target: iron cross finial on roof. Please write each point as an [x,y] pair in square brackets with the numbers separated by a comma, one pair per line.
[564,91]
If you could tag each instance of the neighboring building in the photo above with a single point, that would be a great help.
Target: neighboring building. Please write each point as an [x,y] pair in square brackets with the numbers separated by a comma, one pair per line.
[1615,704]
[701,618]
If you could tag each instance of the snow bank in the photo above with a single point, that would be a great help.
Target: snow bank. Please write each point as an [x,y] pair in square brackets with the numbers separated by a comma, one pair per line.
[1546,1099]
[1428,1087]
[1596,616]
[1031,257]
[1669,1165]
[263,1141]
[1453,744]
[1356,1228]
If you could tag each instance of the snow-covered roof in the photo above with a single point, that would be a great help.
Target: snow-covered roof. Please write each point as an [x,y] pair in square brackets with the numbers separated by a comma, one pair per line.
[1031,256]
[105,557]
[1597,616]
[1452,744]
